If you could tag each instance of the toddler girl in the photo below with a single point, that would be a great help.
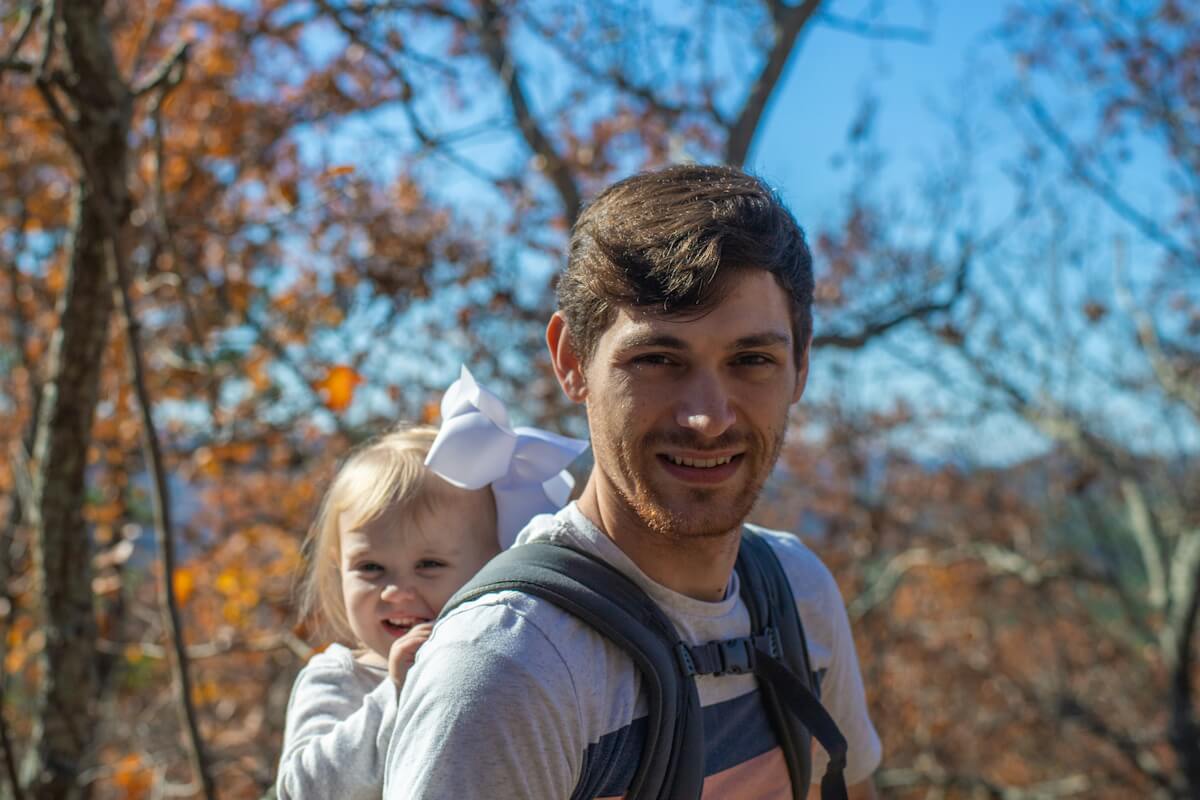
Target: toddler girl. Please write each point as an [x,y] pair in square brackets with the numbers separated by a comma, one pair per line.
[409,518]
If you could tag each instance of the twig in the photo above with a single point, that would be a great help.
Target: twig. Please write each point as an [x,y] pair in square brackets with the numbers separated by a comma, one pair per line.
[858,339]
[556,169]
[788,21]
[162,518]
[48,40]
[31,15]
[1105,190]
[874,30]
[167,74]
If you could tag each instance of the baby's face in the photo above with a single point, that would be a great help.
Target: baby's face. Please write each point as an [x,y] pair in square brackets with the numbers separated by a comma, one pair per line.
[400,569]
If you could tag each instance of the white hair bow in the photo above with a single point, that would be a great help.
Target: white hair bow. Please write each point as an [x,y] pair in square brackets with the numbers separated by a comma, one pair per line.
[525,466]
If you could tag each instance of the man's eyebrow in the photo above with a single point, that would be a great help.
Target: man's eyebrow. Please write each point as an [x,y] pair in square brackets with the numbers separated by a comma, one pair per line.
[765,339]
[638,341]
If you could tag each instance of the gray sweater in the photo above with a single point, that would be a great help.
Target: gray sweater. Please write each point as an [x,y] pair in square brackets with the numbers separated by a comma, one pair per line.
[339,721]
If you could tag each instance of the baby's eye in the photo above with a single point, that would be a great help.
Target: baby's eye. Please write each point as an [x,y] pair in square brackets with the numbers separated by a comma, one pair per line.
[430,563]
[369,566]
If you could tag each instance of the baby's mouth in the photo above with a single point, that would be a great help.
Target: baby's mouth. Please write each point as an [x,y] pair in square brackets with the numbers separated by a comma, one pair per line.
[398,626]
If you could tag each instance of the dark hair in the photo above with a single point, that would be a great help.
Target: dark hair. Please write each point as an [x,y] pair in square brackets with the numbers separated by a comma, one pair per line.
[671,238]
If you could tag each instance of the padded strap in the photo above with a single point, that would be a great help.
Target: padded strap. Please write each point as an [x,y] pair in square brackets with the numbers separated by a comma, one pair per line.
[798,699]
[599,595]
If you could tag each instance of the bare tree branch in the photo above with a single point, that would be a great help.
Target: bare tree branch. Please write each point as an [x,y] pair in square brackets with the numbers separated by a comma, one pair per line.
[874,30]
[1141,758]
[858,339]
[162,516]
[788,22]
[1187,392]
[167,74]
[490,29]
[48,37]
[1184,727]
[430,142]
[1105,189]
[31,14]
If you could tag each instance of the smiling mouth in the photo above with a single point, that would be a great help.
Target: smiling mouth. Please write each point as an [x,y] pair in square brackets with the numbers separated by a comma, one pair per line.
[398,626]
[700,463]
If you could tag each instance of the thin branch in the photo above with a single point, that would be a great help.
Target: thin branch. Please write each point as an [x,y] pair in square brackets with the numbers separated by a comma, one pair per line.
[571,52]
[167,74]
[1149,542]
[162,517]
[1104,189]
[1142,759]
[430,142]
[1183,390]
[1184,726]
[490,27]
[31,15]
[874,30]
[858,339]
[998,561]
[788,22]
[48,38]
[15,65]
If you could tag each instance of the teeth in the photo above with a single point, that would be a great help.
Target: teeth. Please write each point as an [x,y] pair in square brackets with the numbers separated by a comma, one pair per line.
[404,622]
[703,463]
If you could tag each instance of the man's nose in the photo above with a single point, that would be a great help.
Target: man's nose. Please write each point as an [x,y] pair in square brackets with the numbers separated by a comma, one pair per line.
[705,405]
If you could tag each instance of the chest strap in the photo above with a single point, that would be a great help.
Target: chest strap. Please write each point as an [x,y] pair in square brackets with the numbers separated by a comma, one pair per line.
[760,655]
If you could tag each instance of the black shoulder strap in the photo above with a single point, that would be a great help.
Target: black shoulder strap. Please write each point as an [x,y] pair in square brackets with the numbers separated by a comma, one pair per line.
[599,595]
[785,673]
[617,608]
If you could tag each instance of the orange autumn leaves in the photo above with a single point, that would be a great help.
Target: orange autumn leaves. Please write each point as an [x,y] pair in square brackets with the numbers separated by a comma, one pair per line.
[336,389]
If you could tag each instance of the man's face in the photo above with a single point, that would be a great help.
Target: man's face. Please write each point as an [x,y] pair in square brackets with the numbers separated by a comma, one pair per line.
[687,415]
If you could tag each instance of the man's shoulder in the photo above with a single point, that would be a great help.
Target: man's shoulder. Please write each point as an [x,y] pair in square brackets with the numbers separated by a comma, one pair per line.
[805,570]
[512,624]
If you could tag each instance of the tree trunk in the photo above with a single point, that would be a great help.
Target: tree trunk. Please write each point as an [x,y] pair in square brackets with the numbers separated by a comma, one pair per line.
[96,122]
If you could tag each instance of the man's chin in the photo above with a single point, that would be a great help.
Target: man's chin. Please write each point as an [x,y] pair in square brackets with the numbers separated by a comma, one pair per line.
[706,515]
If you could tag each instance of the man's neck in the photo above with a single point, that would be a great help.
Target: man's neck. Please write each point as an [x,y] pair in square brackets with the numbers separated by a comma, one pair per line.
[698,568]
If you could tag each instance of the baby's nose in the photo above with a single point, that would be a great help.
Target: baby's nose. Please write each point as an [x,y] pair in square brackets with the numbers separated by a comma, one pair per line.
[395,591]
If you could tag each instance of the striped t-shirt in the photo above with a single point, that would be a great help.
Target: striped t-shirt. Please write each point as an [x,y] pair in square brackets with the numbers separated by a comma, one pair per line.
[512,697]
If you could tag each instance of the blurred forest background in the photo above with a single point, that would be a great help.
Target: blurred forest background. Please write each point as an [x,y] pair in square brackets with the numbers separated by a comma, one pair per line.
[237,236]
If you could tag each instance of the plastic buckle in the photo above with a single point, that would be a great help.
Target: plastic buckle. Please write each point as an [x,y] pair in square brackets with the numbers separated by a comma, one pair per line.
[774,645]
[685,658]
[737,656]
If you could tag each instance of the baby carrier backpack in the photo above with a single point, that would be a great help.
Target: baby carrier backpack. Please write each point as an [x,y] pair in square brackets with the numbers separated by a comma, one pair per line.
[671,765]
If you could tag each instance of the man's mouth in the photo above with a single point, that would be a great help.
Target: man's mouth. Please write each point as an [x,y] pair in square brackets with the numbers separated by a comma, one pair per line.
[700,463]
[697,468]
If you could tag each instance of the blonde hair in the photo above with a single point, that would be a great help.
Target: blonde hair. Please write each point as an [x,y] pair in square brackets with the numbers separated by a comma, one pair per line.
[383,472]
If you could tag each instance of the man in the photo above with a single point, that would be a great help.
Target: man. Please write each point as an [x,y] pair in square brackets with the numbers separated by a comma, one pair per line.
[683,326]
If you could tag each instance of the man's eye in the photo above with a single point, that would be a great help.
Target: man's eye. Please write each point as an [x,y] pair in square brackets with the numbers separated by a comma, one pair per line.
[654,359]
[754,360]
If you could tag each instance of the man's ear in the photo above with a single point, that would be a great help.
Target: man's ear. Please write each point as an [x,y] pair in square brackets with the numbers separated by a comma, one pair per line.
[568,368]
[802,371]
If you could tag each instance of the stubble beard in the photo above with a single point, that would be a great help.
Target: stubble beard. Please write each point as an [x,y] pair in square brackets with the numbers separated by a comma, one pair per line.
[696,513]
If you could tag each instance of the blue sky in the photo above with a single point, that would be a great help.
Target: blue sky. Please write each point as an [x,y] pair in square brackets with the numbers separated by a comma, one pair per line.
[919,90]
